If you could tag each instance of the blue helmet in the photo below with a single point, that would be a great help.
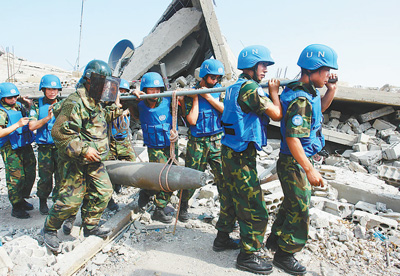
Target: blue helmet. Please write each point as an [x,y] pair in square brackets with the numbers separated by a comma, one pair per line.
[8,89]
[50,81]
[315,56]
[211,67]
[252,55]
[151,79]
[124,84]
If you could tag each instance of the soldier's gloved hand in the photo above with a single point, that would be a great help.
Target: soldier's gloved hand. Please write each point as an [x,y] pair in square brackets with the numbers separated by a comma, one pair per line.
[92,155]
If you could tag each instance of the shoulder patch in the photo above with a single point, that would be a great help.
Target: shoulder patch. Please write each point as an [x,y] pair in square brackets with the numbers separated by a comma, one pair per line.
[297,120]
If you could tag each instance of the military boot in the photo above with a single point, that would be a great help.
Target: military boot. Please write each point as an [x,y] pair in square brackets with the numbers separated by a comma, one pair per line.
[18,211]
[224,242]
[68,224]
[287,262]
[99,231]
[112,205]
[160,215]
[143,199]
[272,242]
[253,263]
[183,212]
[51,240]
[43,209]
[26,205]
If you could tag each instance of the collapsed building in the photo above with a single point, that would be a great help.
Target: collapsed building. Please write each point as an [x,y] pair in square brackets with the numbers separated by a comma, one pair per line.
[354,218]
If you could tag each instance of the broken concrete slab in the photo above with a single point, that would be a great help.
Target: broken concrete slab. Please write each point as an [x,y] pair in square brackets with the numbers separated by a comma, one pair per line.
[376,114]
[358,186]
[366,207]
[6,263]
[392,152]
[389,174]
[163,40]
[366,158]
[380,124]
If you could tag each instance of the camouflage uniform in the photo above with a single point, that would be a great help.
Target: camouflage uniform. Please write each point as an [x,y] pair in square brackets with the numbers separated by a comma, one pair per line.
[292,221]
[244,200]
[201,151]
[121,149]
[47,161]
[80,124]
[20,165]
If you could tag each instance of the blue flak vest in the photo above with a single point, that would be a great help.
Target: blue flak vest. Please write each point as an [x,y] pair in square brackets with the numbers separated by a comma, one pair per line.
[241,128]
[156,123]
[209,120]
[117,122]
[22,136]
[43,134]
[315,142]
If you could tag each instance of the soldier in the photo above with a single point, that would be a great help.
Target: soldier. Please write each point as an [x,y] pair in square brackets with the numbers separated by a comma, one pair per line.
[42,120]
[301,139]
[245,118]
[203,113]
[120,143]
[80,134]
[156,121]
[16,150]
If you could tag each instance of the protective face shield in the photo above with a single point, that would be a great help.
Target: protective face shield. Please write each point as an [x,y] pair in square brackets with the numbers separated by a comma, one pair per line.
[102,88]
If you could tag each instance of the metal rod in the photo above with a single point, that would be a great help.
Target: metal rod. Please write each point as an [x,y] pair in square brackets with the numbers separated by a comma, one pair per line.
[192,92]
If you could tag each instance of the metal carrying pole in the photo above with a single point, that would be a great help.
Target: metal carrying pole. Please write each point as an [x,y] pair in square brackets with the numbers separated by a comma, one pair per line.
[191,92]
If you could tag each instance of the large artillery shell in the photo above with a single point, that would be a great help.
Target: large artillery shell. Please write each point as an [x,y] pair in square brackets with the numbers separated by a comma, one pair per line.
[146,176]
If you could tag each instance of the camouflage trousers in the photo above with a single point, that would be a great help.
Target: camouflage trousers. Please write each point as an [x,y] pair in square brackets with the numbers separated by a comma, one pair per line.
[20,167]
[199,153]
[292,220]
[161,198]
[121,150]
[47,164]
[87,185]
[242,198]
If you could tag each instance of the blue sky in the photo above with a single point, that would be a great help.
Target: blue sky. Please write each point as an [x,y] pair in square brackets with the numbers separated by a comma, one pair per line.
[365,34]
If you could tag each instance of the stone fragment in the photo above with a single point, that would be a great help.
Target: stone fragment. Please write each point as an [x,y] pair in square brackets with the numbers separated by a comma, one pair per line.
[382,125]
[376,114]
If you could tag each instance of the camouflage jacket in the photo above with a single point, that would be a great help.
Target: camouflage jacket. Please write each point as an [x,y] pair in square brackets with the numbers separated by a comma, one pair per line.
[82,123]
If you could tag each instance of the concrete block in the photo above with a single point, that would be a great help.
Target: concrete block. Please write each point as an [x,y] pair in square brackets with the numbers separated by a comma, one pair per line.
[271,187]
[392,152]
[366,158]
[381,223]
[318,202]
[371,132]
[326,118]
[332,160]
[396,164]
[357,167]
[335,114]
[389,174]
[337,208]
[394,138]
[376,114]
[333,123]
[363,138]
[353,123]
[322,219]
[346,153]
[360,232]
[365,126]
[273,201]
[366,207]
[359,147]
[380,124]
[386,133]
[327,173]
[373,147]
[392,215]
[345,128]
[181,81]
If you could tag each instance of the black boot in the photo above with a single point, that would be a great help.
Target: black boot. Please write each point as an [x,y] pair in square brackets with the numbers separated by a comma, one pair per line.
[43,209]
[51,240]
[272,242]
[26,205]
[160,215]
[224,242]
[288,263]
[253,263]
[18,211]
[112,205]
[183,212]
[99,231]
[68,224]
[143,199]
